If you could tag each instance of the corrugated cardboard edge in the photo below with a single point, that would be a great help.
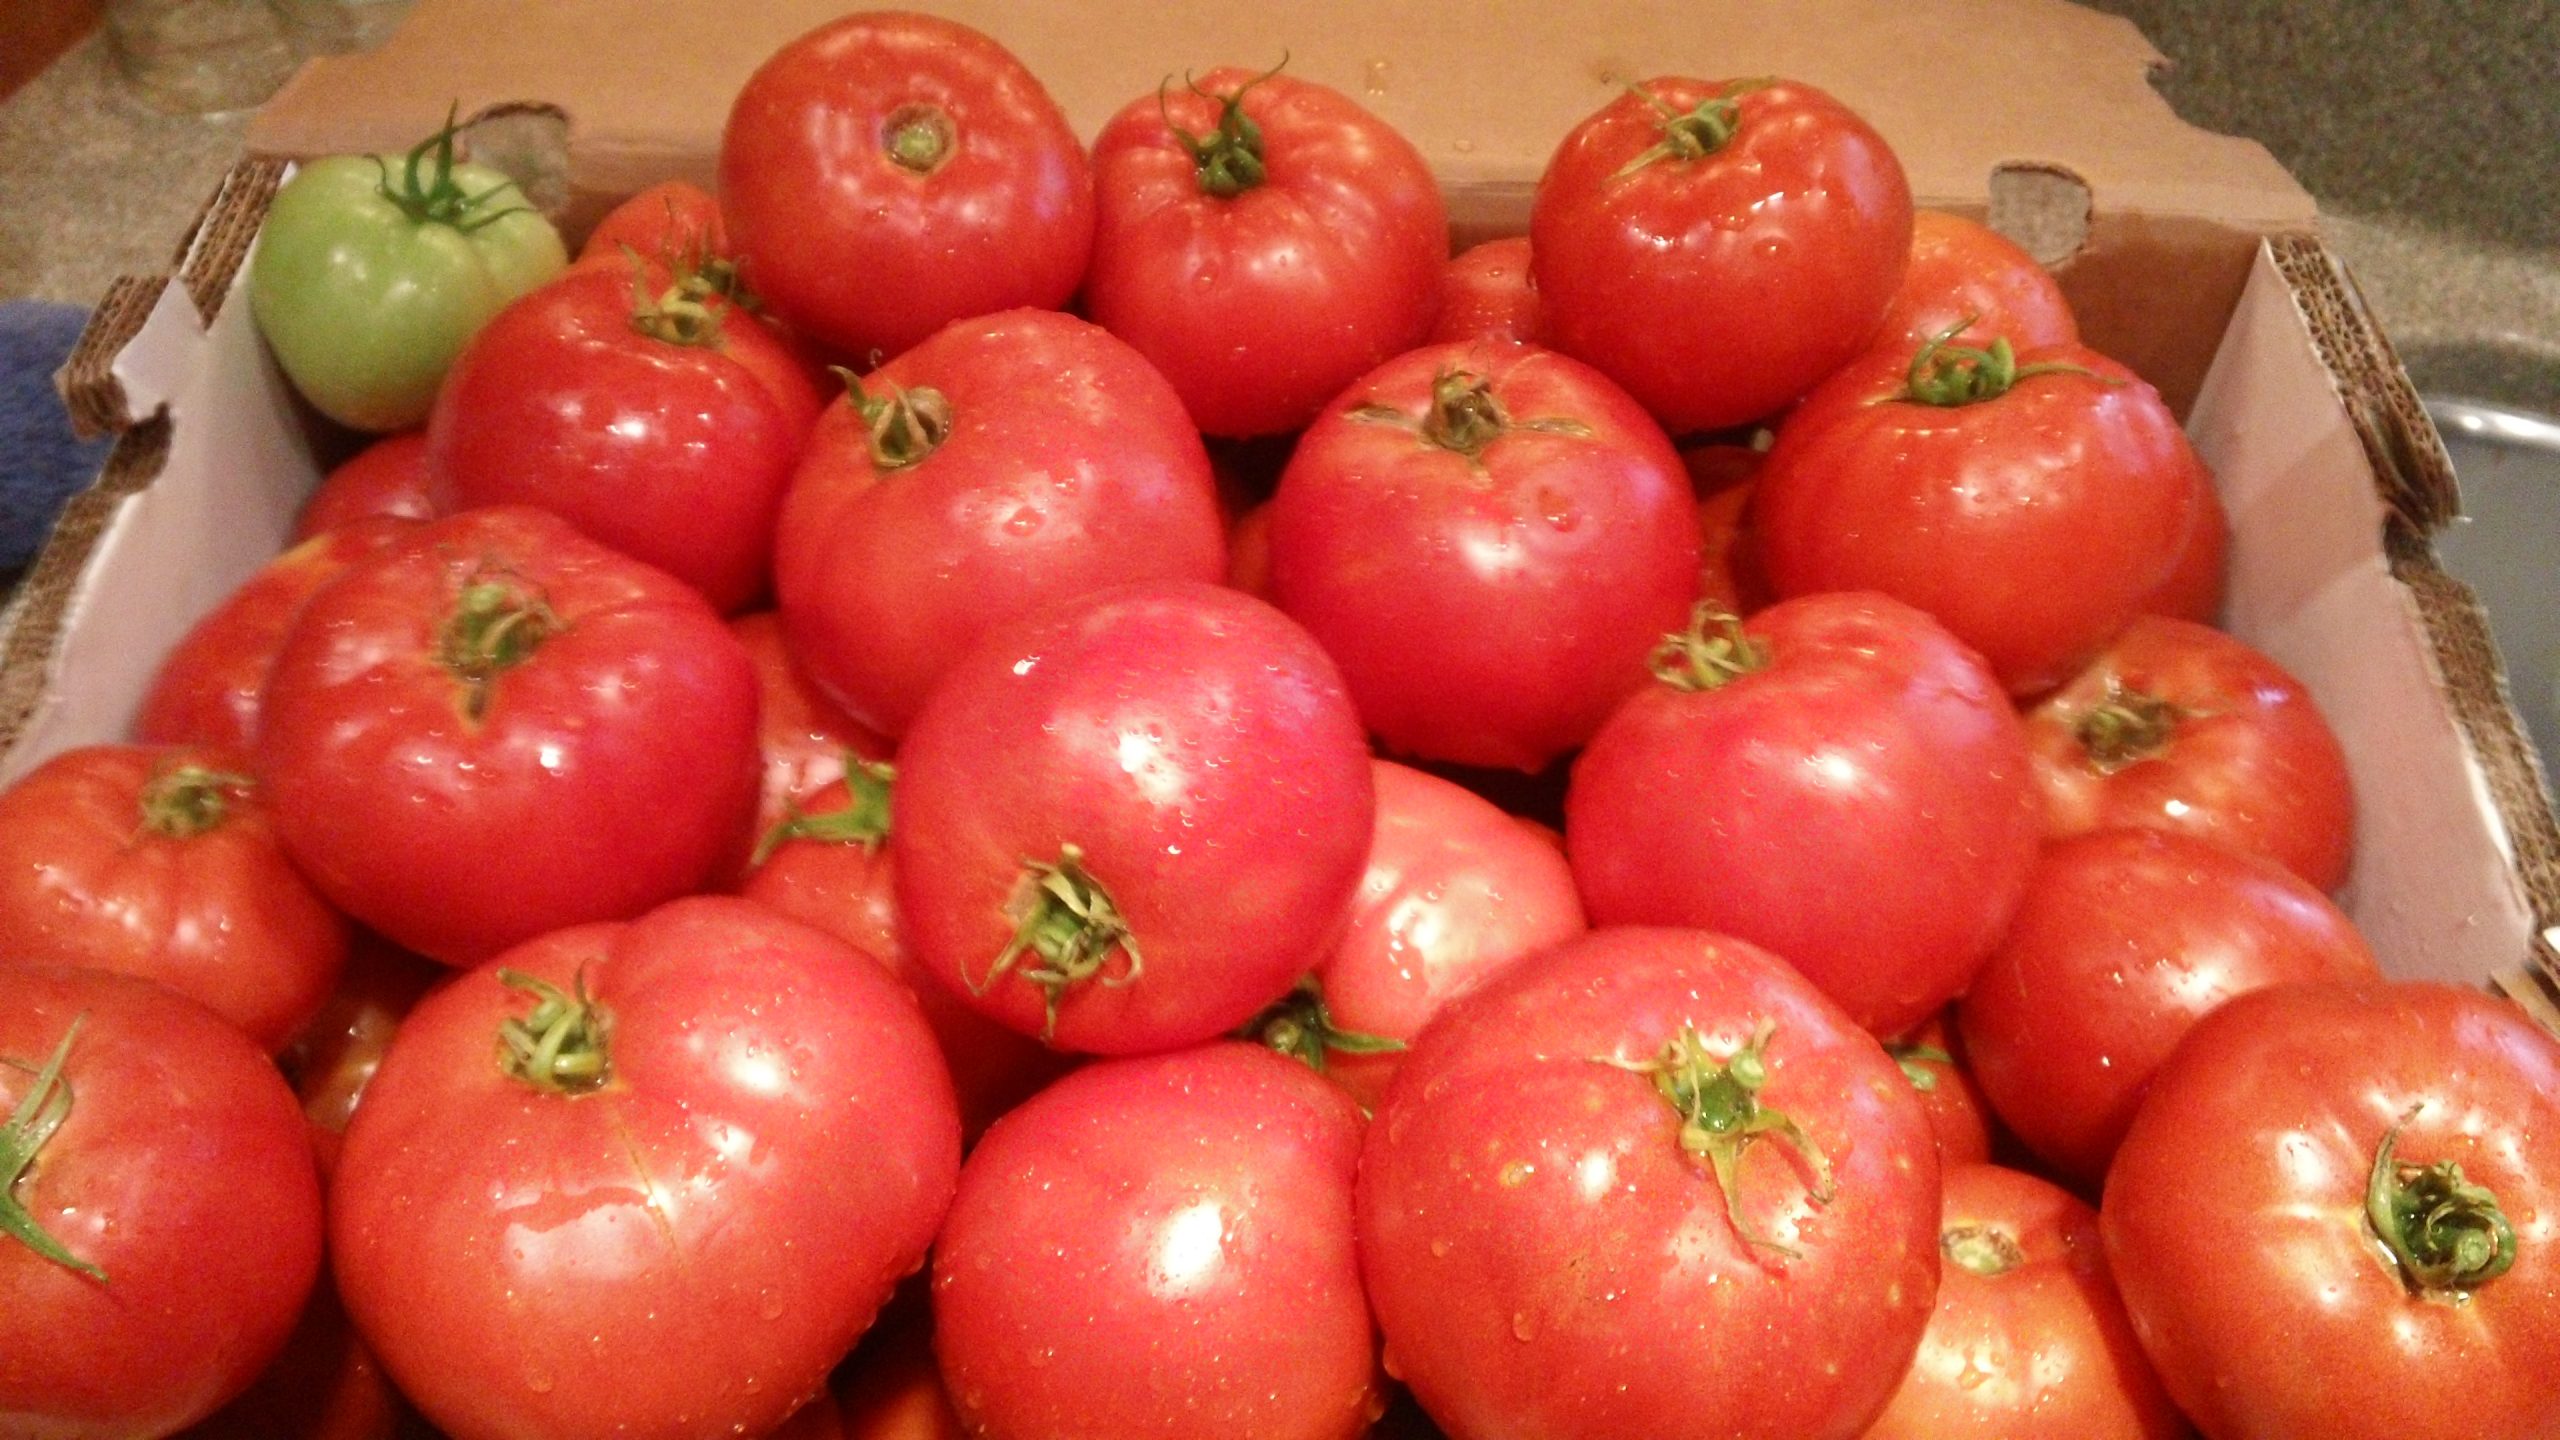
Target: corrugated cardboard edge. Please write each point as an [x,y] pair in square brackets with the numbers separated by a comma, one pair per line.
[2415,479]
[31,629]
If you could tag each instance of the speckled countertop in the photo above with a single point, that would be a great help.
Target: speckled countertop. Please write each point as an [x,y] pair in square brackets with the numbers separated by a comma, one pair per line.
[2438,173]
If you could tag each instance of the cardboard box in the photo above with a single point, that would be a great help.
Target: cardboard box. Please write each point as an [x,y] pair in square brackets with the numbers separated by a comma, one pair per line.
[2191,256]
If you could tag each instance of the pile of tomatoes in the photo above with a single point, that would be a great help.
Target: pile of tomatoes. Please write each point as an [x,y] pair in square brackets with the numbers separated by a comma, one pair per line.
[987,787]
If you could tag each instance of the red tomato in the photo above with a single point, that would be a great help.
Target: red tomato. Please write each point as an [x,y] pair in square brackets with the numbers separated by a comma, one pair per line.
[1488,293]
[1649,1183]
[891,1388]
[333,1059]
[675,222]
[1835,779]
[209,690]
[1932,1057]
[1264,241]
[387,477]
[159,1219]
[2029,1340]
[805,737]
[661,423]
[888,173]
[163,863]
[1728,572]
[1160,1249]
[497,727]
[1249,552]
[324,1386]
[2125,939]
[2031,502]
[1718,247]
[2194,588]
[2338,1214]
[827,865]
[2177,726]
[1971,280]
[1135,822]
[1005,465]
[1439,529]
[1456,893]
[711,1141]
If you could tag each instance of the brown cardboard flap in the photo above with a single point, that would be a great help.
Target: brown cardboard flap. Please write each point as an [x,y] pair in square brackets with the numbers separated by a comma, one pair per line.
[1960,87]
[31,633]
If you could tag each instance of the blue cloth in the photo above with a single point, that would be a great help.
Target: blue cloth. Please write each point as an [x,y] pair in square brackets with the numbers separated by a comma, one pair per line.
[41,463]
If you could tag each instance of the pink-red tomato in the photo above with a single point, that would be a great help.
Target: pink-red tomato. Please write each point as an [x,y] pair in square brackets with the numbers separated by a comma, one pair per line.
[159,1216]
[1488,293]
[332,1061]
[1133,822]
[806,738]
[675,222]
[209,689]
[1932,1057]
[387,477]
[1264,241]
[888,173]
[2338,1214]
[1973,285]
[324,1385]
[1718,247]
[2177,726]
[1455,893]
[1005,465]
[1834,779]
[2124,940]
[163,862]
[2029,1340]
[1440,528]
[1160,1248]
[2194,588]
[1729,575]
[660,422]
[643,1179]
[1649,1183]
[890,1388]
[2031,503]
[496,727]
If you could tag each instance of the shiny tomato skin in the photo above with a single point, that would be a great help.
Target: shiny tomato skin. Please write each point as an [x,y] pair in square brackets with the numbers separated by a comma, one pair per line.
[2244,758]
[1861,806]
[104,866]
[611,769]
[1456,892]
[1200,751]
[1964,271]
[2034,524]
[1546,1259]
[2029,1340]
[2194,589]
[1069,466]
[673,452]
[1719,288]
[1160,1248]
[2235,1217]
[1447,564]
[1488,293]
[1261,306]
[687,1249]
[387,477]
[209,689]
[863,253]
[181,1171]
[2125,939]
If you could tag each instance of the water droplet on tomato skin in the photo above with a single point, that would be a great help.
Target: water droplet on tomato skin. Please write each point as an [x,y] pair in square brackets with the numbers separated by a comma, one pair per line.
[1524,1326]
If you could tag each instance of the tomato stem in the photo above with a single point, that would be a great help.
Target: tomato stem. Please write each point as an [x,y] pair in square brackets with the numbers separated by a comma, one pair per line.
[1693,134]
[1067,925]
[1299,1025]
[1229,158]
[1946,374]
[682,314]
[38,1114]
[184,801]
[1464,417]
[558,1045]
[1915,1059]
[433,196]
[2443,1233]
[1721,1117]
[906,426]
[862,820]
[1984,1250]
[494,626]
[2127,728]
[1713,651]
[917,138]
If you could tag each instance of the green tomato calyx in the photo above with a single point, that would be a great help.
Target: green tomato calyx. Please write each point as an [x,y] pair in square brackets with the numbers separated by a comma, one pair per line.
[37,1115]
[862,820]
[1692,134]
[1300,1026]
[1984,1250]
[1722,1117]
[2445,1235]
[1947,375]
[1915,1059]
[181,802]
[428,192]
[558,1045]
[497,622]
[2127,728]
[1065,930]
[1464,417]
[905,426]
[1715,650]
[686,313]
[1229,158]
